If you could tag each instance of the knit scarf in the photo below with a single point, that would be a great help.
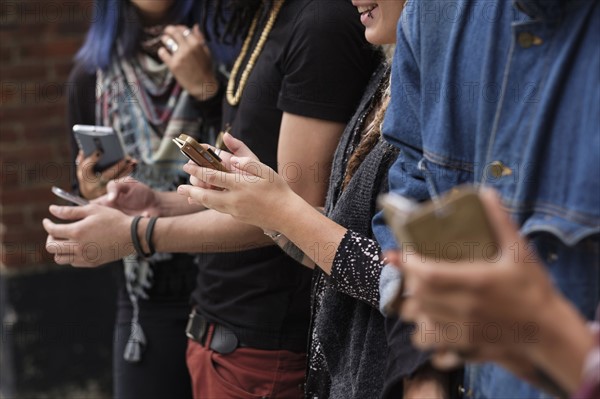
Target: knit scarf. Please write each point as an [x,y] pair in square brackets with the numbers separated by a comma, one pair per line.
[141,100]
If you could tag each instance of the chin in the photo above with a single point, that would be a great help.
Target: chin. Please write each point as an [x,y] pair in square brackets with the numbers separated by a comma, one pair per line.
[375,38]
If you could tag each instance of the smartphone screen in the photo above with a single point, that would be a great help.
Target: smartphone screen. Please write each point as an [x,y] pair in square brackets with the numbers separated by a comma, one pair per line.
[74,199]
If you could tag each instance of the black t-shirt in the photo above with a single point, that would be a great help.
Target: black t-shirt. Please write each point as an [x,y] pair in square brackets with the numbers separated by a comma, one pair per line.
[315,63]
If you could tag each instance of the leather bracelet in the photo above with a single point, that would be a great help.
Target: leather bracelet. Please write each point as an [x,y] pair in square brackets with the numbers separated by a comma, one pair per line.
[134,236]
[149,231]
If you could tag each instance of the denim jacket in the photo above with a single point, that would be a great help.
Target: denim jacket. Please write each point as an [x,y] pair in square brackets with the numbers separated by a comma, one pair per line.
[505,94]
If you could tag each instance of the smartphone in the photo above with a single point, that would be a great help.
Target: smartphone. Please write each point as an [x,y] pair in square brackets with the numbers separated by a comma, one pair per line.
[453,228]
[75,199]
[102,139]
[204,157]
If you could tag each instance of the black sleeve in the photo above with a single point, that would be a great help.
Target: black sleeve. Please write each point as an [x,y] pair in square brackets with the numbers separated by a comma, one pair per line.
[81,100]
[327,62]
[357,268]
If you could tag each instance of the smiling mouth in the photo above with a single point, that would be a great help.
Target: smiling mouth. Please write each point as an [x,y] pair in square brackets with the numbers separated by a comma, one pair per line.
[367,9]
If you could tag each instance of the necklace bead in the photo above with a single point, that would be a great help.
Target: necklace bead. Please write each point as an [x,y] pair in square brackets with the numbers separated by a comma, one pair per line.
[234,95]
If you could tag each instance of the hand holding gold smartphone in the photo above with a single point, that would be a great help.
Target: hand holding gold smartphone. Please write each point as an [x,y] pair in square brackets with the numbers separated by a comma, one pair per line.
[453,228]
[204,157]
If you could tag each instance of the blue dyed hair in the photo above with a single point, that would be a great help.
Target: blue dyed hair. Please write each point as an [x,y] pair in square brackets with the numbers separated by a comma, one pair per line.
[118,19]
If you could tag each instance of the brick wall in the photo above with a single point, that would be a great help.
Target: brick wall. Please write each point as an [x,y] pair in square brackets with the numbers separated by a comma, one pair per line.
[56,321]
[38,39]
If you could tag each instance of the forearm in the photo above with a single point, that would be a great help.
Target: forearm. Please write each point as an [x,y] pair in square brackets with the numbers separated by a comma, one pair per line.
[172,204]
[563,343]
[206,231]
[314,234]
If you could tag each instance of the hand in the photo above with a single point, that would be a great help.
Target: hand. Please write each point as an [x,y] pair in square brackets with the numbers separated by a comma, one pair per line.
[252,192]
[96,235]
[431,386]
[190,62]
[92,184]
[482,310]
[131,197]
[237,148]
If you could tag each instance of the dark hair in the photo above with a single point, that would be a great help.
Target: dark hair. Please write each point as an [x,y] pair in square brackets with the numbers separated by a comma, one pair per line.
[119,19]
[231,18]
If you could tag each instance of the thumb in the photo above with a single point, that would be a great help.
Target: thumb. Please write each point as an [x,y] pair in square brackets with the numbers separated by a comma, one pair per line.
[250,166]
[114,189]
[70,212]
[237,147]
[506,231]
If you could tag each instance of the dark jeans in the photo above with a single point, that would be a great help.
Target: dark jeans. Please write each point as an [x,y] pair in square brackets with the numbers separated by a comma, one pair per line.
[162,372]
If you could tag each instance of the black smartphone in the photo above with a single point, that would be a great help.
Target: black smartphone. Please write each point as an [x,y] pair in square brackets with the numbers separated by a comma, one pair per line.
[102,139]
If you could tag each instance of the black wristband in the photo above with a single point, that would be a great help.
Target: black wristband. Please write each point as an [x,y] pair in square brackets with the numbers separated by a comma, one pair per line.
[149,231]
[134,236]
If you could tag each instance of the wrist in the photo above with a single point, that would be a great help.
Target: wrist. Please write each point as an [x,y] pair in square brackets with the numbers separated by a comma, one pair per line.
[563,343]
[286,214]
[207,90]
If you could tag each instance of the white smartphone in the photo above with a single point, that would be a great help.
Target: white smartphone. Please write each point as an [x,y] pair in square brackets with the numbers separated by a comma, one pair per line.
[102,139]
[75,199]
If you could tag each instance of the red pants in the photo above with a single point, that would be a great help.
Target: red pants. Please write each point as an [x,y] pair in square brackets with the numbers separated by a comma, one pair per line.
[245,373]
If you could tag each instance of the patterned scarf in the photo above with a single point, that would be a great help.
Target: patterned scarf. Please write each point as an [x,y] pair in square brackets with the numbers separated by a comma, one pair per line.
[141,100]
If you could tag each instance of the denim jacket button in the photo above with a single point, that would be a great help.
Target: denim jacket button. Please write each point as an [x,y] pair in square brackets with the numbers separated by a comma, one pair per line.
[497,170]
[463,392]
[526,40]
[552,257]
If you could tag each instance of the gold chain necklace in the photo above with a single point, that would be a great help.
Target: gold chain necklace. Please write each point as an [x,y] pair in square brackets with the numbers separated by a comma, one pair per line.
[234,96]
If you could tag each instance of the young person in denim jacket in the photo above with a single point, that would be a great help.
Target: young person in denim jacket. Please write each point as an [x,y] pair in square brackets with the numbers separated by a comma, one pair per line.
[505,95]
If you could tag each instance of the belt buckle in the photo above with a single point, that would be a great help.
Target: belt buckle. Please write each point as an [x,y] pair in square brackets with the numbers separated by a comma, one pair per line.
[196,327]
[224,341]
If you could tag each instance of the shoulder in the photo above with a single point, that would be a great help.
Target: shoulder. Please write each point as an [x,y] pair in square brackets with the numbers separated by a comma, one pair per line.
[316,17]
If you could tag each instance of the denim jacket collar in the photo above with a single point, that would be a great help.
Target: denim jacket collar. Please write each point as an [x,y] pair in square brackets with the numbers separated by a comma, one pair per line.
[541,9]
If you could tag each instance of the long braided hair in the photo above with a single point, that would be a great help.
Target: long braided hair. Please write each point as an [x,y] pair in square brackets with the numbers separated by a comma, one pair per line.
[233,16]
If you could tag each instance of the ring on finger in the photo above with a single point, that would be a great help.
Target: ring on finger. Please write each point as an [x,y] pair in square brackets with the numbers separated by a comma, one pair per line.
[186,33]
[171,45]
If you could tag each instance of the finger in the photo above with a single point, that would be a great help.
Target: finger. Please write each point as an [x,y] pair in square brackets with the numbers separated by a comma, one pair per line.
[197,33]
[410,310]
[195,37]
[79,158]
[64,251]
[116,170]
[170,44]
[71,212]
[237,147]
[198,183]
[444,277]
[165,56]
[251,166]
[209,176]
[507,232]
[392,256]
[113,191]
[85,169]
[446,359]
[176,33]
[204,197]
[60,231]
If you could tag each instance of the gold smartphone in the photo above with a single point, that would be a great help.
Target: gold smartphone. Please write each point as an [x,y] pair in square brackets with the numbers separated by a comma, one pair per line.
[204,157]
[453,228]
